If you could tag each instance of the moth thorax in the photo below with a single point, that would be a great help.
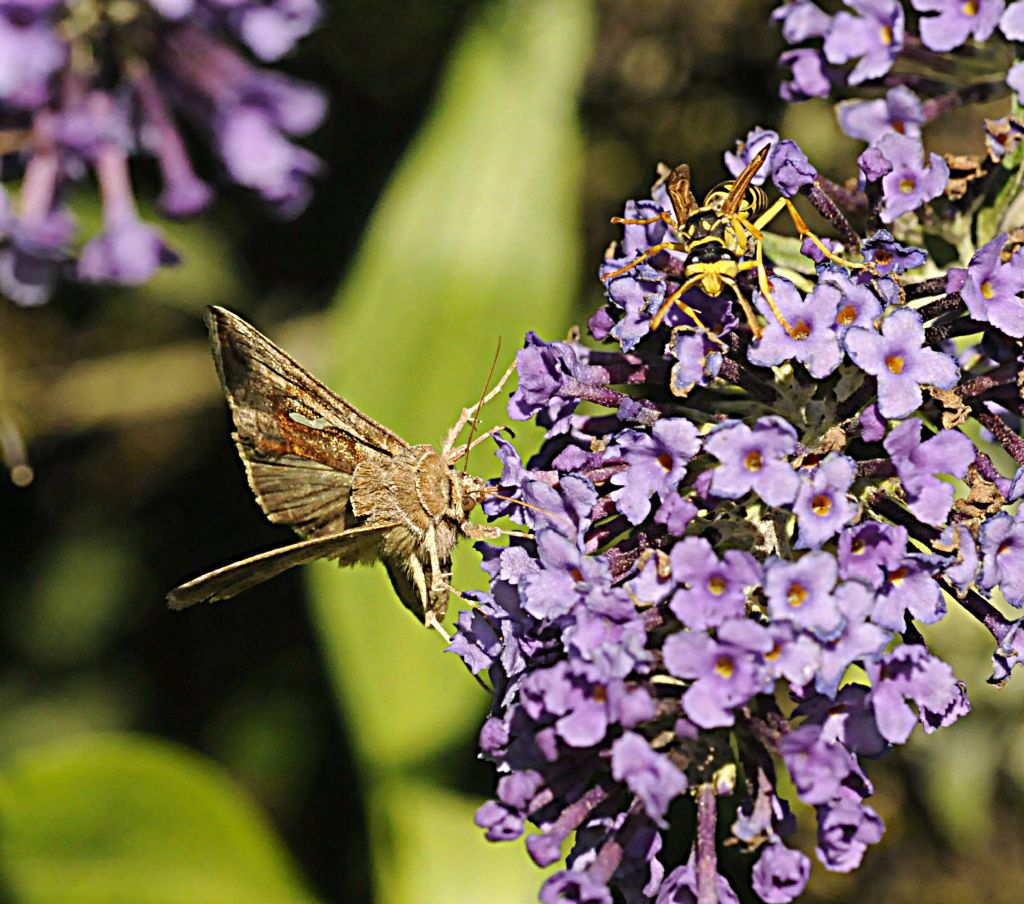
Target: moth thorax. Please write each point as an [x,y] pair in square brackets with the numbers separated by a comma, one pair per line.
[434,485]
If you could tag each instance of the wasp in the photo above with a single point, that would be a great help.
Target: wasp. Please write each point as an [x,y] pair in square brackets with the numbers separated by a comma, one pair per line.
[721,239]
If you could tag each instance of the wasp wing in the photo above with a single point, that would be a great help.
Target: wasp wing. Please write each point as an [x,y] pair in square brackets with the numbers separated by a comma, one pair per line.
[677,186]
[299,441]
[360,544]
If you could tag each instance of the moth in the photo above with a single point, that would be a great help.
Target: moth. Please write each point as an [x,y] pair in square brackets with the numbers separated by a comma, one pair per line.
[353,489]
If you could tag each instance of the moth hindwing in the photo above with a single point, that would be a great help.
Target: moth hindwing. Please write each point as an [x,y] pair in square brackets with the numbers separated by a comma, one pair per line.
[353,489]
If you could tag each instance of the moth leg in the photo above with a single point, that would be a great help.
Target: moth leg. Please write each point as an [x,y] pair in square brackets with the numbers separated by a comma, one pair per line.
[453,455]
[469,413]
[431,622]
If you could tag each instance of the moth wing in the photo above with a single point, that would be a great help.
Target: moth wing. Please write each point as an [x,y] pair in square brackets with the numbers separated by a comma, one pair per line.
[348,547]
[299,441]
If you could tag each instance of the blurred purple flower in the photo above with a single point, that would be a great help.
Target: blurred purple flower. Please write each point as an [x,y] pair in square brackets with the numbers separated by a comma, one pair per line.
[780,874]
[873,38]
[899,111]
[957,21]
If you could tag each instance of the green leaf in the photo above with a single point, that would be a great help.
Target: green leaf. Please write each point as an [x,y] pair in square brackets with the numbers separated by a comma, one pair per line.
[107,819]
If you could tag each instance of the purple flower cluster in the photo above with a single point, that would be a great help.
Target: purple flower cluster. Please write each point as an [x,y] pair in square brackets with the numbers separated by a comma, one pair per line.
[83,90]
[731,569]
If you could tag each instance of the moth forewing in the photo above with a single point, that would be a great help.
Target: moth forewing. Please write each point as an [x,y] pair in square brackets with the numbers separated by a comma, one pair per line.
[356,490]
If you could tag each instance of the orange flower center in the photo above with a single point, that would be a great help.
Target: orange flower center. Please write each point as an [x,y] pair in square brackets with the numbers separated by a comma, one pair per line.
[846,315]
[894,363]
[753,461]
[970,8]
[724,666]
[717,585]
[665,460]
[898,576]
[821,505]
[986,289]
[857,547]
[801,330]
[907,185]
[796,595]
[887,35]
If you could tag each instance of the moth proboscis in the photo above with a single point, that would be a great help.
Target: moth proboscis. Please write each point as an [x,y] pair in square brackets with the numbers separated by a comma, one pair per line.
[353,489]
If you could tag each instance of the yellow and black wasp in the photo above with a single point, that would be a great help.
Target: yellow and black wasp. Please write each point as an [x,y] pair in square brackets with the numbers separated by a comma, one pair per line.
[721,239]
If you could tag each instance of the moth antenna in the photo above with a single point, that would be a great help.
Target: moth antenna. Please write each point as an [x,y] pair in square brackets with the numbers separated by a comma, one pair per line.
[479,405]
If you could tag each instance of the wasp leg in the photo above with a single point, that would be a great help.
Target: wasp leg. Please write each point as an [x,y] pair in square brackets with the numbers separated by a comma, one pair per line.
[806,232]
[650,252]
[748,311]
[629,221]
[675,299]
[765,286]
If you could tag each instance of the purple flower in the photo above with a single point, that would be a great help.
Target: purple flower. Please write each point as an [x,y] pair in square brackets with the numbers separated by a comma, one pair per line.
[547,372]
[790,168]
[962,571]
[807,75]
[860,640]
[858,303]
[899,359]
[911,181]
[725,674]
[576,886]
[656,463]
[649,775]
[822,506]
[801,592]
[271,30]
[845,829]
[818,765]
[889,256]
[158,62]
[780,874]
[1002,548]
[810,338]
[747,150]
[680,887]
[899,111]
[1012,22]
[991,289]
[908,588]
[712,590]
[957,21]
[874,38]
[698,360]
[870,549]
[30,53]
[754,459]
[917,463]
[911,673]
[565,578]
[801,19]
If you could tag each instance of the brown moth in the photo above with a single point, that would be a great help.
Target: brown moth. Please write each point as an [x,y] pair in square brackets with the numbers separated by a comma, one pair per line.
[353,489]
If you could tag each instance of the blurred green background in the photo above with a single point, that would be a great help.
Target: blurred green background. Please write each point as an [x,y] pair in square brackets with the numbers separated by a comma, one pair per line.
[309,741]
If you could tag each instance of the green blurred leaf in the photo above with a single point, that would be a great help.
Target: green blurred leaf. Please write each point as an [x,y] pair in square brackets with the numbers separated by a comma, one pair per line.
[440,854]
[475,238]
[118,818]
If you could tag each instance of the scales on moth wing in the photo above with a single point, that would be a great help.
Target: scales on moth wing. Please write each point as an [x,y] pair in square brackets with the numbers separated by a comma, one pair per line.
[353,489]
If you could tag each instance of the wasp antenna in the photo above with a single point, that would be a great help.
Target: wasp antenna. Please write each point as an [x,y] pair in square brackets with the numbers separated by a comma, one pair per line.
[742,182]
[479,405]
